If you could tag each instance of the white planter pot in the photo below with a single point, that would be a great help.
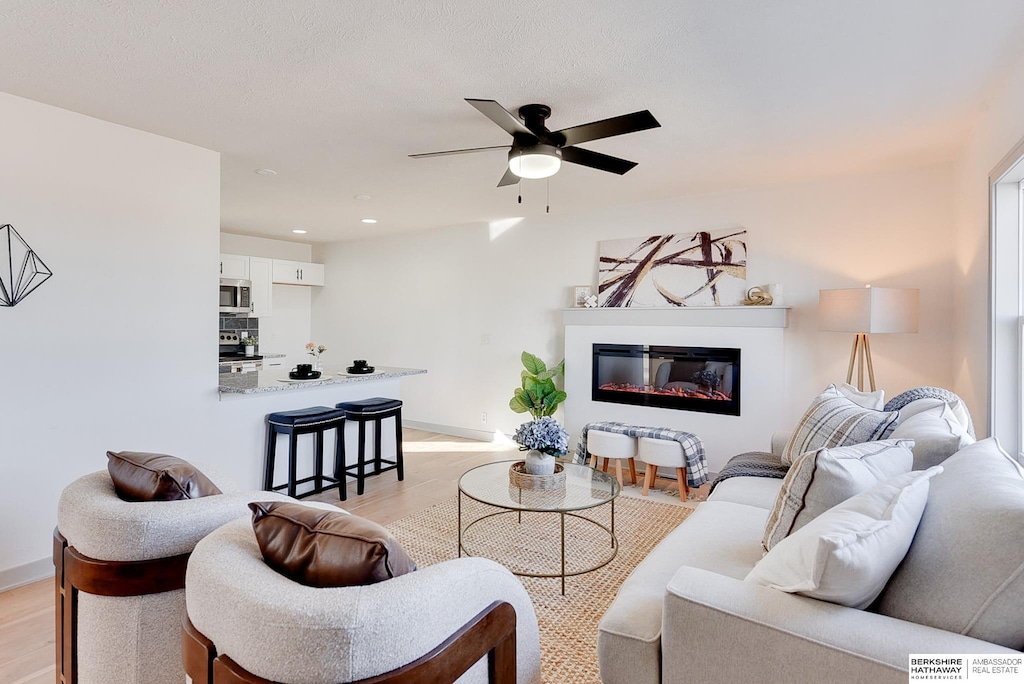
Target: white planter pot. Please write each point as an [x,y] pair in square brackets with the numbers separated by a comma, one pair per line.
[539,463]
[250,350]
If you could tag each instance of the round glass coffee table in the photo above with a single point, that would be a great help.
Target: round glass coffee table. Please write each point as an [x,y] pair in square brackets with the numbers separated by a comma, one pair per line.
[585,488]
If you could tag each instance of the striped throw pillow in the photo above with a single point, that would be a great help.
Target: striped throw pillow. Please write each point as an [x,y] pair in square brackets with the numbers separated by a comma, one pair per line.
[819,480]
[833,420]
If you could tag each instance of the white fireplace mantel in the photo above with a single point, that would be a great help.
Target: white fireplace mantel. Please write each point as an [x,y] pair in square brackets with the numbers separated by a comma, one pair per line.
[694,316]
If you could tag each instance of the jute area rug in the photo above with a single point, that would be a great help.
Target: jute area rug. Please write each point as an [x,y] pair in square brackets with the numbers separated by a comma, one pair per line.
[568,624]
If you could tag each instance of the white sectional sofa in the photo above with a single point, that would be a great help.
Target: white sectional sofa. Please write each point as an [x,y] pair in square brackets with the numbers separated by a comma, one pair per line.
[687,615]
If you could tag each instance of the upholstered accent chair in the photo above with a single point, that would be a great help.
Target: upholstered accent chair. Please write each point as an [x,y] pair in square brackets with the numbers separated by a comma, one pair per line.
[120,577]
[247,623]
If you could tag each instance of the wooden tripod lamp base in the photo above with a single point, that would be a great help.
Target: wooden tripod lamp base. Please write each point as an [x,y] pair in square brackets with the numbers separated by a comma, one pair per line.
[861,354]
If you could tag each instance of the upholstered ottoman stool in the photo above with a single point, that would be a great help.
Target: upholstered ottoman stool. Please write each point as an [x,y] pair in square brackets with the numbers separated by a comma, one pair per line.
[664,453]
[610,445]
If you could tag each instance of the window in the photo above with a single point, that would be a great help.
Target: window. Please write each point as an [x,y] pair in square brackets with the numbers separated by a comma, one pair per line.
[1006,314]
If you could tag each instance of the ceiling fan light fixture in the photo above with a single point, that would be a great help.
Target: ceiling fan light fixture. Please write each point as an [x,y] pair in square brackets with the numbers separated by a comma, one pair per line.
[538,161]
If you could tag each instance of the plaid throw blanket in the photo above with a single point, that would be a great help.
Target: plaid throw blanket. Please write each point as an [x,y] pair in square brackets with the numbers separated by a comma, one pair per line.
[693,448]
[752,464]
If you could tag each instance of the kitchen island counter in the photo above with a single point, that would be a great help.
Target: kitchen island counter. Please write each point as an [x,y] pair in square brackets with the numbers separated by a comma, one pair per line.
[277,380]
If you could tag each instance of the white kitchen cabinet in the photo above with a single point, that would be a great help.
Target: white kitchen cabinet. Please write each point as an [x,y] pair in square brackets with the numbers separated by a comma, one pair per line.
[311,274]
[234,266]
[261,273]
[298,273]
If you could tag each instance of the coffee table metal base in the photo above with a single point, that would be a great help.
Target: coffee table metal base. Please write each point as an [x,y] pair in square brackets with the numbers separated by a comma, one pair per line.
[562,515]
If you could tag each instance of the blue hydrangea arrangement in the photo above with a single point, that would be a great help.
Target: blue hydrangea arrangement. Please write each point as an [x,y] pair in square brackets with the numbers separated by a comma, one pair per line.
[545,435]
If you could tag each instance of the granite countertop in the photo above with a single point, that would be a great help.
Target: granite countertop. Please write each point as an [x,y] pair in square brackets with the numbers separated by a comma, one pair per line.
[271,355]
[277,380]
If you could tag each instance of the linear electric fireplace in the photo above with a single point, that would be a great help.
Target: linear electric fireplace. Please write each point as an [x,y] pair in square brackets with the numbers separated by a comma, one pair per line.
[705,379]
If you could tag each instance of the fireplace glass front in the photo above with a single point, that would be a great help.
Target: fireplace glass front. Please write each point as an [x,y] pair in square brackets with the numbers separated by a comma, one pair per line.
[704,379]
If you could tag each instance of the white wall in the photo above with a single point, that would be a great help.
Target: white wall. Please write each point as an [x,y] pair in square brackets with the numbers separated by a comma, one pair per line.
[996,133]
[286,331]
[431,299]
[116,350]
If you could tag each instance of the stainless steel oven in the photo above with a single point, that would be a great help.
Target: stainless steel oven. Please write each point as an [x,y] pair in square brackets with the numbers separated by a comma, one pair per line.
[235,296]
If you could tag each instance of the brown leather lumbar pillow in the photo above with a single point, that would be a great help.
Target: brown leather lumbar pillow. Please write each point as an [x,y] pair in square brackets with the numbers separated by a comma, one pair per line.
[321,548]
[140,476]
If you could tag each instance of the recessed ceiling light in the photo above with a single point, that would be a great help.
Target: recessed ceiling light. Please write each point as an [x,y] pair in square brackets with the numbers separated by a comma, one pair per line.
[266,172]
[369,220]
[363,197]
[299,231]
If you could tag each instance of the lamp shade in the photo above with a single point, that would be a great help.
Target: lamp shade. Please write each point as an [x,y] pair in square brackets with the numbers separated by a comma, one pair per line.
[538,161]
[868,310]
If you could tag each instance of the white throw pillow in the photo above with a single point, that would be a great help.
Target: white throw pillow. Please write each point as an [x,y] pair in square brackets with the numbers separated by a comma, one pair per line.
[818,480]
[937,434]
[956,405]
[869,400]
[834,420]
[847,554]
[965,571]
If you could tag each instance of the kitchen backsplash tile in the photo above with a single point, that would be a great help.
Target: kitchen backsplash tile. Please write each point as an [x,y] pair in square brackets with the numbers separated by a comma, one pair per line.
[243,326]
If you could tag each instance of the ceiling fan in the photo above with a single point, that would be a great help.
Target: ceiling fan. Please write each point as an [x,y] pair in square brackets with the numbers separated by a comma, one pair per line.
[537,152]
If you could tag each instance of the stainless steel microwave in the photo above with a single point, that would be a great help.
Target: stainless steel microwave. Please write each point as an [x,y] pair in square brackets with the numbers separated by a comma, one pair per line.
[235,296]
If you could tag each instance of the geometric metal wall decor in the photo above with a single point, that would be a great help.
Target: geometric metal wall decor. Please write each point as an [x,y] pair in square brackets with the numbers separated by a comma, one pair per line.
[686,269]
[21,269]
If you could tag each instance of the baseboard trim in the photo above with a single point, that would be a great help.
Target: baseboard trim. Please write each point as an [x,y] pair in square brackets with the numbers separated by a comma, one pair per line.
[468,433]
[11,578]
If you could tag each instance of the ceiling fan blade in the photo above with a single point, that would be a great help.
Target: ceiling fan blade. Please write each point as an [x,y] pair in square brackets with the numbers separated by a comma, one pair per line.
[465,151]
[596,160]
[617,125]
[501,116]
[508,179]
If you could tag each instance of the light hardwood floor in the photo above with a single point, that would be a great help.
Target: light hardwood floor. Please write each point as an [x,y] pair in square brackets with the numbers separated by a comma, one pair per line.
[433,464]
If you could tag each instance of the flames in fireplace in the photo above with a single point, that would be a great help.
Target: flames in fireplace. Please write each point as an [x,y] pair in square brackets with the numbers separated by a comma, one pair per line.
[697,393]
[705,379]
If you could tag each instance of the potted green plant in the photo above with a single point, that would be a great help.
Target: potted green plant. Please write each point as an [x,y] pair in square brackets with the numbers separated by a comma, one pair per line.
[250,343]
[542,438]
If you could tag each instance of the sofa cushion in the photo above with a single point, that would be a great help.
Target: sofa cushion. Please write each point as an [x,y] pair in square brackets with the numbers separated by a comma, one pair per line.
[326,548]
[819,480]
[752,491]
[965,571]
[847,554]
[719,536]
[914,401]
[936,431]
[833,420]
[140,476]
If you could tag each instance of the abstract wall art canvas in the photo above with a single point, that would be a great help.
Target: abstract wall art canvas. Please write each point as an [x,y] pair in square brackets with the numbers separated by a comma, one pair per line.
[702,268]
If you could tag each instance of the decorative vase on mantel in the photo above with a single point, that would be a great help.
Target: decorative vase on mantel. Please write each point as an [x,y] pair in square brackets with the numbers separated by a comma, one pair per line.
[539,463]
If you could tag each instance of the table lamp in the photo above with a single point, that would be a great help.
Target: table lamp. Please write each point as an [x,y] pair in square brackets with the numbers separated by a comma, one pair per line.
[866,310]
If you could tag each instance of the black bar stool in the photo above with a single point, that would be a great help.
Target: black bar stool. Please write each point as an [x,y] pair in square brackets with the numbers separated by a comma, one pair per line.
[315,421]
[375,410]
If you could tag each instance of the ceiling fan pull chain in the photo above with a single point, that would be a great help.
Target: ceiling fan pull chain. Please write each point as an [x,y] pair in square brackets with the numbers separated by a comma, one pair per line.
[547,208]
[519,186]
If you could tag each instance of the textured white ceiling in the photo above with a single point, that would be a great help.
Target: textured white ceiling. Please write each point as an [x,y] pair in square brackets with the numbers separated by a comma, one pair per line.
[333,94]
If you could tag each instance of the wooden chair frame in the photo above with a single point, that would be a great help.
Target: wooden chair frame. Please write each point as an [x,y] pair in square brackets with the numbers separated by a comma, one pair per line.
[75,573]
[491,633]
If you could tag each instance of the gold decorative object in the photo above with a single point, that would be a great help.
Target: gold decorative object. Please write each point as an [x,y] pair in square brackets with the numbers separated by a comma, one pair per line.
[518,477]
[758,296]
